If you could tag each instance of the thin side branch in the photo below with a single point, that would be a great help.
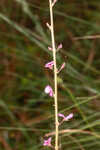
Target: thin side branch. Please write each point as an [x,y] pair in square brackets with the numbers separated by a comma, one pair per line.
[73,131]
[87,37]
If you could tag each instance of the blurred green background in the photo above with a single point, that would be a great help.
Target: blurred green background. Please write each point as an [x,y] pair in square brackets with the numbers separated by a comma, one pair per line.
[26,112]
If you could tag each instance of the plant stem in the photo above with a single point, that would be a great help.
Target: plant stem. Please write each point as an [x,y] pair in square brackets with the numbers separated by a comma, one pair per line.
[55,74]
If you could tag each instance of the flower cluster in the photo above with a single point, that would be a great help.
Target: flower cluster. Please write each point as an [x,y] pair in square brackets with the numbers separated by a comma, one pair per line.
[65,118]
[48,89]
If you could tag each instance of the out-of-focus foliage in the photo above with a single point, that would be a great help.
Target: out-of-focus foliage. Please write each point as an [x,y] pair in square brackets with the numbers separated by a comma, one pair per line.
[26,113]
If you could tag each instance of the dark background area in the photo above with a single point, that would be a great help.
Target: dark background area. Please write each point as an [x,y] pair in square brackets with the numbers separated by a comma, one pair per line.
[26,112]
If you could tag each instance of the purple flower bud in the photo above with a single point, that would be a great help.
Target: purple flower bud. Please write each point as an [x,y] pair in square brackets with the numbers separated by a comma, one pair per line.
[48,90]
[62,67]
[47,142]
[49,65]
[49,48]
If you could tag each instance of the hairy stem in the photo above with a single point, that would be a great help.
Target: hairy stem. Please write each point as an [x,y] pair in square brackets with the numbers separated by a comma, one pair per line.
[55,74]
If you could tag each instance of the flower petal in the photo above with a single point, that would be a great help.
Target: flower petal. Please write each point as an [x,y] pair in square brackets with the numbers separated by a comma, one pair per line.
[59,46]
[48,90]
[61,115]
[70,116]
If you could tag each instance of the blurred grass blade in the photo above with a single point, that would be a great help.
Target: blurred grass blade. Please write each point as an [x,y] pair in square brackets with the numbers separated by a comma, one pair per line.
[26,9]
[23,31]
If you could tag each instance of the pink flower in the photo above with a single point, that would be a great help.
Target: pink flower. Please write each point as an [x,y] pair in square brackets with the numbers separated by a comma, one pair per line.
[47,142]
[49,65]
[48,90]
[66,118]
[59,46]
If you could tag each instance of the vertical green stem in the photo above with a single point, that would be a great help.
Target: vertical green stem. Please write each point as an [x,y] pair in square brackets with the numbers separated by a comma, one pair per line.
[55,74]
